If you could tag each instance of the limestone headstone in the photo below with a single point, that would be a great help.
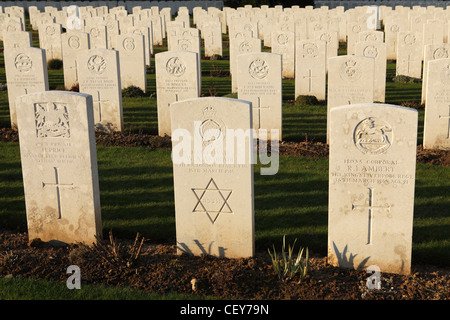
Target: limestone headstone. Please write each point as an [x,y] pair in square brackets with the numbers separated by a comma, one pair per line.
[371,186]
[50,40]
[437,106]
[240,45]
[73,42]
[432,52]
[283,42]
[99,76]
[213,184]
[176,79]
[310,68]
[376,50]
[350,81]
[259,81]
[132,60]
[59,166]
[409,54]
[26,72]
[97,36]
[17,39]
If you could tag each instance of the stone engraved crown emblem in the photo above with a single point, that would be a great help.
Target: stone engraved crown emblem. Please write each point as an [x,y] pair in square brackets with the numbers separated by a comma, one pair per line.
[373,136]
[96,64]
[23,63]
[52,120]
[258,69]
[350,71]
[175,67]
[210,129]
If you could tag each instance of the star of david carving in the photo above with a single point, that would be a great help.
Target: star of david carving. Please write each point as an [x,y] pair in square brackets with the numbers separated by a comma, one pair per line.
[212,200]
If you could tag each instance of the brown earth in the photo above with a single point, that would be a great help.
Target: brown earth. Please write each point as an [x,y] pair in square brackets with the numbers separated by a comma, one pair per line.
[157,268]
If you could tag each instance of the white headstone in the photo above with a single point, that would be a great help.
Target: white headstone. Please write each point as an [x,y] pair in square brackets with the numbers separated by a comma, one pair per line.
[177,79]
[99,76]
[259,81]
[371,186]
[59,166]
[437,106]
[26,72]
[73,42]
[132,60]
[310,68]
[350,81]
[213,185]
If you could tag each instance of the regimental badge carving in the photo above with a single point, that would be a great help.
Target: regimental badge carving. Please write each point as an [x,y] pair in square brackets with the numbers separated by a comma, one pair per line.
[52,120]
[50,30]
[409,39]
[128,44]
[94,33]
[175,67]
[370,37]
[370,51]
[395,28]
[74,42]
[373,136]
[282,39]
[258,69]
[310,50]
[184,44]
[245,47]
[211,129]
[440,53]
[23,63]
[96,64]
[350,71]
[445,75]
[356,28]
[326,37]
[212,200]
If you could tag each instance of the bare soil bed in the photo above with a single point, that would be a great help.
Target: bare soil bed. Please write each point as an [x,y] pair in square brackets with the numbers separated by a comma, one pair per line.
[158,268]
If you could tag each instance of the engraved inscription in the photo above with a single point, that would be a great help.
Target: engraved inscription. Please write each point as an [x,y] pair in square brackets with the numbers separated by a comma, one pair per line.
[51,120]
[373,136]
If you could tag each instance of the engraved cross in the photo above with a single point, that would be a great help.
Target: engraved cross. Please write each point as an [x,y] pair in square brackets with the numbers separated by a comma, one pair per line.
[99,101]
[259,107]
[309,76]
[57,185]
[371,209]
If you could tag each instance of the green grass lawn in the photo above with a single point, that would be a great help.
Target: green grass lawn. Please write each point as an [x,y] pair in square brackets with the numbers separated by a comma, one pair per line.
[136,184]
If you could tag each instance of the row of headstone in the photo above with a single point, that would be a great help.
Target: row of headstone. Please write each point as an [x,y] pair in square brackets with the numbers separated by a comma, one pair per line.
[371,178]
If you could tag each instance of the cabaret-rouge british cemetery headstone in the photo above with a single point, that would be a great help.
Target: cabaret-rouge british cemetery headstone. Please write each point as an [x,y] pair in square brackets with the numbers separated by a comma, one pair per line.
[177,79]
[59,166]
[26,72]
[212,149]
[436,133]
[371,186]
[259,81]
[99,76]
